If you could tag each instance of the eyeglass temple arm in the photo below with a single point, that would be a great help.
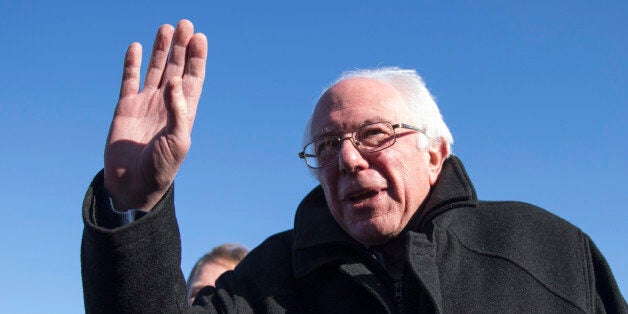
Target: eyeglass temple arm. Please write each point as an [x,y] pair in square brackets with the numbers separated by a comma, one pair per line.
[407,126]
[304,155]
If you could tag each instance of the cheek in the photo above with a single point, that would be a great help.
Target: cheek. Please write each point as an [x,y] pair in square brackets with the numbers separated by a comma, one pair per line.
[328,178]
[391,166]
[326,175]
[404,172]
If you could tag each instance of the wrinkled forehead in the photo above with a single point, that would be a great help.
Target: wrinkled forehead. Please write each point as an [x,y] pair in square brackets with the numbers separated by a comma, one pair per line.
[354,102]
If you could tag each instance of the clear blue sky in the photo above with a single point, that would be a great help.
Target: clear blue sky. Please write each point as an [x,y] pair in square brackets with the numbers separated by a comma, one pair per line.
[534,93]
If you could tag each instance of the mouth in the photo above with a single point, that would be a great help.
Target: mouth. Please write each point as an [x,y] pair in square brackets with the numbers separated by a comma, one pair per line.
[362,196]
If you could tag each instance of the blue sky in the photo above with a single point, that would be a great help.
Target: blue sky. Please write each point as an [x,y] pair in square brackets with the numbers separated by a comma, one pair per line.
[534,93]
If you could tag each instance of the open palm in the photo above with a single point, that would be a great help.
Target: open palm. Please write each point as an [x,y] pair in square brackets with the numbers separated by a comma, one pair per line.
[150,132]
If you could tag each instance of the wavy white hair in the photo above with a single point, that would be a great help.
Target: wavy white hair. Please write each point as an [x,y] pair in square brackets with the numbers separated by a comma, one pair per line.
[423,108]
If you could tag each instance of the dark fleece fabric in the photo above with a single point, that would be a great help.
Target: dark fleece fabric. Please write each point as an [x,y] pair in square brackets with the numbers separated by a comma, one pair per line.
[463,256]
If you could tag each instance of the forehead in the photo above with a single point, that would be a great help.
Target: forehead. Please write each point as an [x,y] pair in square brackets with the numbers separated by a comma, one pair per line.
[353,102]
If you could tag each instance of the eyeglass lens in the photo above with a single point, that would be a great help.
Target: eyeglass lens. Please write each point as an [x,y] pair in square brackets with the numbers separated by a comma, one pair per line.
[368,138]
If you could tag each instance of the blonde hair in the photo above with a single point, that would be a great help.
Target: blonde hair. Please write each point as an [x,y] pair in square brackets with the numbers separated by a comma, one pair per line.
[230,252]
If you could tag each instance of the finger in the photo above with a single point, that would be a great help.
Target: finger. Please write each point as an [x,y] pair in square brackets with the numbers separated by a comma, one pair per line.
[159,56]
[131,72]
[177,108]
[194,74]
[176,60]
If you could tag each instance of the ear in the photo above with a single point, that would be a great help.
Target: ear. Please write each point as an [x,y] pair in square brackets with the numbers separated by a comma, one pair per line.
[437,154]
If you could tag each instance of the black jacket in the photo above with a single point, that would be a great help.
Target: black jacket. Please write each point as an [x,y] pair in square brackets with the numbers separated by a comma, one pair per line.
[463,255]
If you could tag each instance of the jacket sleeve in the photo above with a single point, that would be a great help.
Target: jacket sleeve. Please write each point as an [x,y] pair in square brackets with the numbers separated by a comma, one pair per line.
[608,298]
[134,268]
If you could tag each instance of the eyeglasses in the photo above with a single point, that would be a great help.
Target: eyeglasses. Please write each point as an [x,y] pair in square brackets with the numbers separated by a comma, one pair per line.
[369,138]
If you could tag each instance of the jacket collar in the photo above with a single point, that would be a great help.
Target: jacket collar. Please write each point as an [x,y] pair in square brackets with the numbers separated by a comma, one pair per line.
[317,232]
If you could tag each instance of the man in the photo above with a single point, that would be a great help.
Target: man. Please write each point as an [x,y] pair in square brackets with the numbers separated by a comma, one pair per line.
[395,225]
[213,264]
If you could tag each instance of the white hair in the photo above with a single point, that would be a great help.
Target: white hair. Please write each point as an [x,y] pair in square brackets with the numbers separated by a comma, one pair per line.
[423,109]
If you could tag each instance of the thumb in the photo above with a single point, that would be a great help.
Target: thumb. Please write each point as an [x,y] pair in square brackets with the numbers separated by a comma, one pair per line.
[177,106]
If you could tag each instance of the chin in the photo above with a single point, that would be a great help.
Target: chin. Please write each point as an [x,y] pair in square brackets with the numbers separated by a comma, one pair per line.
[377,230]
[371,237]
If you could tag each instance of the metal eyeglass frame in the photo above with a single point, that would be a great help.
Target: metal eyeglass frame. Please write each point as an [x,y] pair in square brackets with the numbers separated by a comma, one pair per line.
[304,156]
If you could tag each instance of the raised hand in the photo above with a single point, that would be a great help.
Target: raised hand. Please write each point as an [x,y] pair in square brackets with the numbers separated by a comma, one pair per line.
[150,132]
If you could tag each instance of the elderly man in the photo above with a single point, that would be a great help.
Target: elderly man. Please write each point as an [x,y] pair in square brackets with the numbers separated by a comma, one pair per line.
[395,225]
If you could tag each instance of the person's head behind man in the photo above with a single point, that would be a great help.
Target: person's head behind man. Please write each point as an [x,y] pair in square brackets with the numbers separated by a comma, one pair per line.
[209,267]
[375,182]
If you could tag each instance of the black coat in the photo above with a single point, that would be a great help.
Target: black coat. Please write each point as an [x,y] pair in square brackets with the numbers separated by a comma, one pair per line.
[463,255]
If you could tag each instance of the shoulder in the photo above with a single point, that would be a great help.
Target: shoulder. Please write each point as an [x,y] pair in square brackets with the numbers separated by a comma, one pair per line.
[526,235]
[548,248]
[505,221]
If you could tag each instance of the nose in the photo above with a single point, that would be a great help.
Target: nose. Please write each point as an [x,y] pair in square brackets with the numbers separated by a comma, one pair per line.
[350,160]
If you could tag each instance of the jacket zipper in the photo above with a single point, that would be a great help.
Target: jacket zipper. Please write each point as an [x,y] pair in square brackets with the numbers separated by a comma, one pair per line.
[398,291]
[398,284]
